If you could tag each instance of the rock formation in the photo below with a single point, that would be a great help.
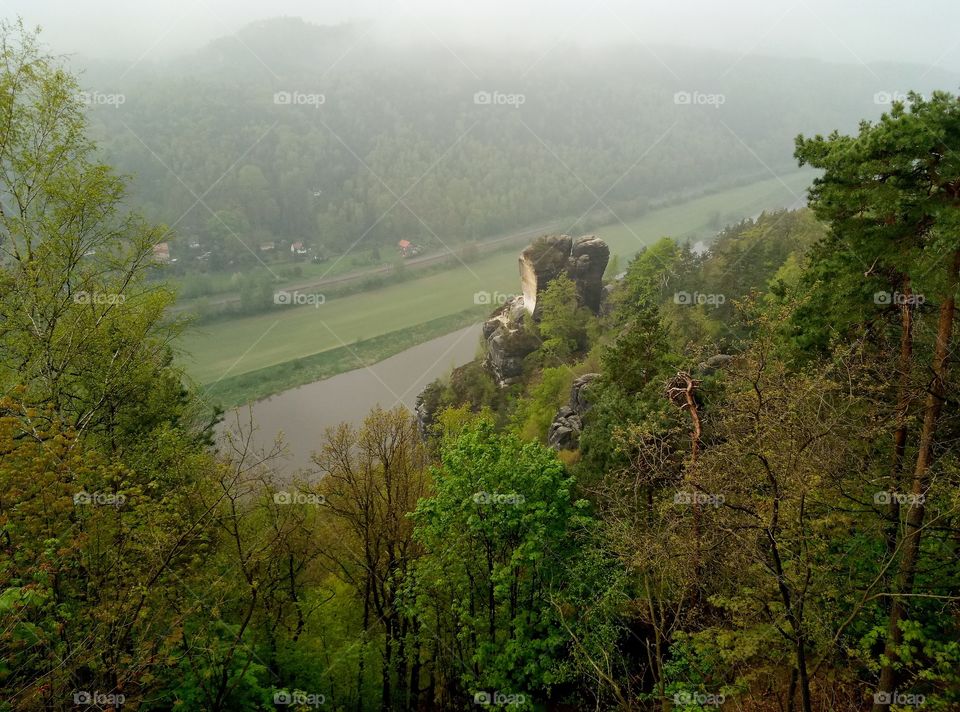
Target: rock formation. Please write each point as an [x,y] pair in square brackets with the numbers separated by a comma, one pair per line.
[580,394]
[583,260]
[588,260]
[564,431]
[508,342]
[506,337]
[426,407]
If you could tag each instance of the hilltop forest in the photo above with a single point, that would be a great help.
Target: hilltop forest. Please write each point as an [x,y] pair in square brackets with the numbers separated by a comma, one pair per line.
[373,143]
[760,511]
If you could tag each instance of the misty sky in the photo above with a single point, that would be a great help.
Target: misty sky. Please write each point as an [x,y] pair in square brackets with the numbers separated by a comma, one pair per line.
[923,31]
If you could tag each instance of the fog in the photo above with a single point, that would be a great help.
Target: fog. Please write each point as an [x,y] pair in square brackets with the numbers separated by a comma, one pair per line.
[850,32]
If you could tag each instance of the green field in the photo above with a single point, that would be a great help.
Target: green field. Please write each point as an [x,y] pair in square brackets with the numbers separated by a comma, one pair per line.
[225,350]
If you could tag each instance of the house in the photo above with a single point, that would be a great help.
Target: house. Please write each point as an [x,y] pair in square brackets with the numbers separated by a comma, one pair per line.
[408,249]
[161,252]
[267,246]
[298,248]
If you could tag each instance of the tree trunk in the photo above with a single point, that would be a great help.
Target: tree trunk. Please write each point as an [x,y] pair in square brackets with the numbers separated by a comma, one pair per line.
[363,647]
[413,687]
[792,689]
[804,678]
[385,690]
[936,396]
[402,691]
[903,408]
[685,386]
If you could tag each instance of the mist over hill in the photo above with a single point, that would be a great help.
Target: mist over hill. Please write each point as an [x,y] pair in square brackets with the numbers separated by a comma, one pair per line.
[294,131]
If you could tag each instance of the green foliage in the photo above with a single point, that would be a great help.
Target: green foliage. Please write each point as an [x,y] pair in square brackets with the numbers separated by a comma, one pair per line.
[535,412]
[498,534]
[650,278]
[563,323]
[739,543]
[887,195]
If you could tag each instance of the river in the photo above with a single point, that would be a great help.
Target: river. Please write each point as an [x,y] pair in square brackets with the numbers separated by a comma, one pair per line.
[301,415]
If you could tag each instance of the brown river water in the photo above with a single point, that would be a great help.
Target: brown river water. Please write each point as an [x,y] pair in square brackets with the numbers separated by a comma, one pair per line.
[301,415]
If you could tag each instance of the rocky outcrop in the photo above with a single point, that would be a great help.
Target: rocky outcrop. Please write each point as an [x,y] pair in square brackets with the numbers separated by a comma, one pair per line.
[564,431]
[583,259]
[588,260]
[507,342]
[426,407]
[580,393]
[505,336]
[543,261]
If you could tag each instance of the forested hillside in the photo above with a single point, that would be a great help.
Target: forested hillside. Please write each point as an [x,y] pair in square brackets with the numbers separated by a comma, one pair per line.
[386,143]
[724,479]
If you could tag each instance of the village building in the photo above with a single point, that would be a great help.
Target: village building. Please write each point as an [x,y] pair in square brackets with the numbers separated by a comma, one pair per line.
[161,252]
